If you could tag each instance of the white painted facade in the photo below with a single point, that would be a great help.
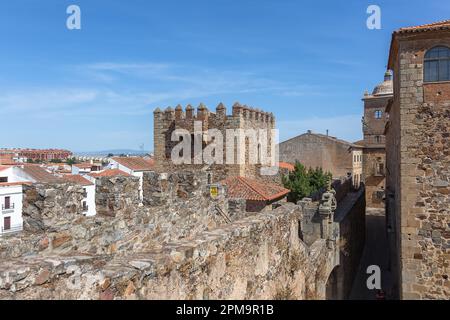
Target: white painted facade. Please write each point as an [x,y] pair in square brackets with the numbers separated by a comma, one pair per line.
[10,208]
[89,201]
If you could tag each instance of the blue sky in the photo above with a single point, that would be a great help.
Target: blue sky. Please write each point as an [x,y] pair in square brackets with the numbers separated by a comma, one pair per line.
[96,88]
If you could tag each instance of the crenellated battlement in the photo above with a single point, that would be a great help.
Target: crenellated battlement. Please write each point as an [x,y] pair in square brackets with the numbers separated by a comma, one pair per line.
[188,118]
[202,113]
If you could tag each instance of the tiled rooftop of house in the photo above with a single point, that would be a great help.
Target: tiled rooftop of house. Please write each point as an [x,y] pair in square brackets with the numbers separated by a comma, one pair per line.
[440,25]
[135,163]
[77,179]
[109,173]
[251,189]
[39,174]
[286,165]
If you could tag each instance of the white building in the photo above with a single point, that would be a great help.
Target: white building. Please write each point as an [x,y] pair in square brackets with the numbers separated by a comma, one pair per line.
[88,201]
[10,201]
[11,208]
[135,166]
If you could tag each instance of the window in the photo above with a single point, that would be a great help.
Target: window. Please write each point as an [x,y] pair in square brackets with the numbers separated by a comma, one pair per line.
[378,114]
[85,206]
[437,64]
[378,139]
[7,203]
[3,179]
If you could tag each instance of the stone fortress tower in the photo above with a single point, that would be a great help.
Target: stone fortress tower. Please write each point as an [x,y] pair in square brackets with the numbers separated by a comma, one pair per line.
[242,117]
[374,152]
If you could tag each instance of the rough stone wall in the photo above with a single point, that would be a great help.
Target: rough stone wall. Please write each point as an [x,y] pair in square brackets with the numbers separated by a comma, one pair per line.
[177,246]
[258,257]
[45,205]
[313,150]
[117,196]
[418,195]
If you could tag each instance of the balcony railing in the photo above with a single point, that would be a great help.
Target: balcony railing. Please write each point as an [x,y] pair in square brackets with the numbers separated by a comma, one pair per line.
[10,207]
[13,229]
[85,208]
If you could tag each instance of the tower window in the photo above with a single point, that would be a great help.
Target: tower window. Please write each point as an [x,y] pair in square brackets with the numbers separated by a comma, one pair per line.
[437,64]
[378,114]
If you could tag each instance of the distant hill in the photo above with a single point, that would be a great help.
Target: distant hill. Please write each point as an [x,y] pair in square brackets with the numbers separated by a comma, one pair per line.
[115,152]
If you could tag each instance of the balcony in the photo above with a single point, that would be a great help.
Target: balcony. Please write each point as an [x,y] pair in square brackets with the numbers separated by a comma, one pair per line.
[13,229]
[8,208]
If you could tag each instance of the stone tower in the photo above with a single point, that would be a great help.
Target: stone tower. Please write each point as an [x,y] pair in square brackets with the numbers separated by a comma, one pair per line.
[418,161]
[242,117]
[374,152]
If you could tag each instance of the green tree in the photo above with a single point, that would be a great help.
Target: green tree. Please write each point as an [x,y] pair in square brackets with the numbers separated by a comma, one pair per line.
[71,161]
[304,183]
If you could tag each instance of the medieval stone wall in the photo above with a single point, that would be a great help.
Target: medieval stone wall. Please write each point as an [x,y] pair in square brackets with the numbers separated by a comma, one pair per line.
[45,205]
[177,246]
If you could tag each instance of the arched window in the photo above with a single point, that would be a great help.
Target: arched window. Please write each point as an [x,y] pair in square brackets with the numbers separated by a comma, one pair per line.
[437,64]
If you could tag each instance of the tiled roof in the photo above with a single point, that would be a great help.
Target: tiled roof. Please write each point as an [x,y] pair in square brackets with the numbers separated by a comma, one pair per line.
[250,189]
[84,165]
[135,163]
[13,184]
[440,25]
[39,174]
[109,173]
[4,167]
[77,179]
[286,165]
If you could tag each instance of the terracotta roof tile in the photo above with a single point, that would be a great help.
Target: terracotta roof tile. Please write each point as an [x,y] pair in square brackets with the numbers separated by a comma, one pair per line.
[250,189]
[135,163]
[109,173]
[440,25]
[286,165]
[77,179]
[39,174]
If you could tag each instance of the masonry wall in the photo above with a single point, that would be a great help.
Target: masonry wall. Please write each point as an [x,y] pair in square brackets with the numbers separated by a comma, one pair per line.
[258,257]
[242,117]
[318,151]
[418,184]
[46,205]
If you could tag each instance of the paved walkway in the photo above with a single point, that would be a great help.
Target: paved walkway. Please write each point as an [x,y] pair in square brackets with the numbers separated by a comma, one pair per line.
[375,253]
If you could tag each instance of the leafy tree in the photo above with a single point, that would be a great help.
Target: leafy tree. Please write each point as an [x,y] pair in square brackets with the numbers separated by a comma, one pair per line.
[110,155]
[303,183]
[71,161]
[55,160]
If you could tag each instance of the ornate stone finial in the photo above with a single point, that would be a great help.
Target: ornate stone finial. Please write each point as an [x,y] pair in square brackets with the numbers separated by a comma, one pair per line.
[179,108]
[189,107]
[157,110]
[387,75]
[201,106]
[169,109]
[366,93]
[220,106]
